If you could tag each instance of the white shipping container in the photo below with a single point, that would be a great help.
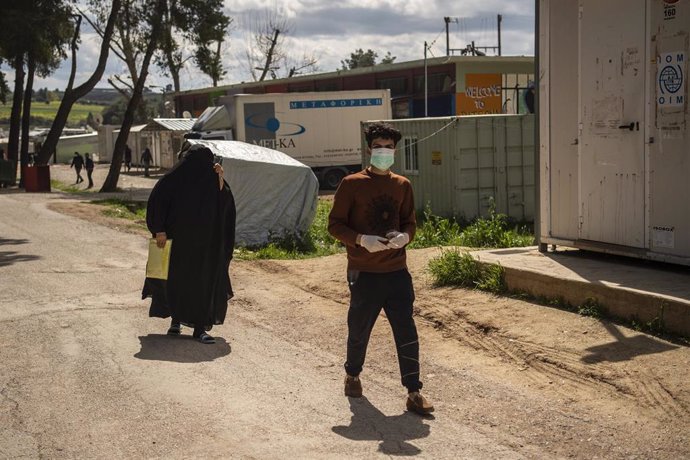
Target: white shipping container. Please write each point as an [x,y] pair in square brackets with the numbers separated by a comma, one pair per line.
[614,142]
[461,166]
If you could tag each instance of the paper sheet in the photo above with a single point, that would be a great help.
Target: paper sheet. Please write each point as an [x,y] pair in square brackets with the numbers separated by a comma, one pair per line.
[159,260]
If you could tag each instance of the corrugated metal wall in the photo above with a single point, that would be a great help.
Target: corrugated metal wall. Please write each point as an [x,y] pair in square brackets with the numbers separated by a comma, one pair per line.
[464,162]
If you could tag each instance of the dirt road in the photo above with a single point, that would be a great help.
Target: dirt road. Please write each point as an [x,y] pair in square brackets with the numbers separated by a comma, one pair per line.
[85,373]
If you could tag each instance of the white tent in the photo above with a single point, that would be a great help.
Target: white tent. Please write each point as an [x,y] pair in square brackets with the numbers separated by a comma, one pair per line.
[274,194]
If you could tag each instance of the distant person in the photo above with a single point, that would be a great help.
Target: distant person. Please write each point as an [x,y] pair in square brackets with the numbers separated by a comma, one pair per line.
[88,164]
[373,214]
[78,163]
[529,97]
[128,157]
[193,206]
[146,159]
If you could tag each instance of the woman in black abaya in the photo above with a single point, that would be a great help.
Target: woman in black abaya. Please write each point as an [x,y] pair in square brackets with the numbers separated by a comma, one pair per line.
[193,206]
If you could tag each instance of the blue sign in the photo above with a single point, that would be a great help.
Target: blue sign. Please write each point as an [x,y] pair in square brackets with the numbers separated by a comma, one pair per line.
[336,103]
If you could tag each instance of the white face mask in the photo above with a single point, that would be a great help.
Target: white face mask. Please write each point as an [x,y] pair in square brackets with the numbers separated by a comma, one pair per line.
[382,158]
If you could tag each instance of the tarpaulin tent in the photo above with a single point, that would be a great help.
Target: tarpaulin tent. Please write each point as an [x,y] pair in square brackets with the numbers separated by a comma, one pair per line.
[275,194]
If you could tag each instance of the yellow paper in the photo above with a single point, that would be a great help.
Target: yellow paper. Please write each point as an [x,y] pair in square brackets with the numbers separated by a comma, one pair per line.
[159,260]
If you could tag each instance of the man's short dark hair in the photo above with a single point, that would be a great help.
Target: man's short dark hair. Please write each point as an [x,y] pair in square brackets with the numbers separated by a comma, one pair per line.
[381,131]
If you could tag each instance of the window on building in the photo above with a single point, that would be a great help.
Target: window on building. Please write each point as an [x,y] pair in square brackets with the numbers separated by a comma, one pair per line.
[436,83]
[410,157]
[327,85]
[397,85]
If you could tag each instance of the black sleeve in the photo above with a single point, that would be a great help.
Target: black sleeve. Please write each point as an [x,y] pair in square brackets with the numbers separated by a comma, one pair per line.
[158,206]
[230,220]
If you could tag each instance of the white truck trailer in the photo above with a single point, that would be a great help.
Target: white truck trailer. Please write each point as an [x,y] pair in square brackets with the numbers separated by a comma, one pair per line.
[319,129]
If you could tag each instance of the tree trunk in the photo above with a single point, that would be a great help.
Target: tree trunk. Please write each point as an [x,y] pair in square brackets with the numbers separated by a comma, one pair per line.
[269,55]
[26,116]
[73,95]
[16,115]
[173,66]
[110,183]
[217,62]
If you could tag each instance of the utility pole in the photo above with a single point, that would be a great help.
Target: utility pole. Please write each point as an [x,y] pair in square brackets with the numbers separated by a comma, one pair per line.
[500,18]
[447,20]
[426,88]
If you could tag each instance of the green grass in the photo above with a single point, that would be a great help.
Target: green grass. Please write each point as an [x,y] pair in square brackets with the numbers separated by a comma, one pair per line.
[492,232]
[458,268]
[47,112]
[316,243]
[61,186]
[131,210]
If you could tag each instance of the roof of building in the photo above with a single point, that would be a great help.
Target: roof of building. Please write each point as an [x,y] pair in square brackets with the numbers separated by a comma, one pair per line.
[170,124]
[436,61]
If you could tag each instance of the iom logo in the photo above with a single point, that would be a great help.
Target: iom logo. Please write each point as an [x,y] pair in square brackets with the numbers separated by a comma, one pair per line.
[671,80]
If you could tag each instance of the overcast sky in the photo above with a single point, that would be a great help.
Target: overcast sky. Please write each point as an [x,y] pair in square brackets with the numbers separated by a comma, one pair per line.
[332,30]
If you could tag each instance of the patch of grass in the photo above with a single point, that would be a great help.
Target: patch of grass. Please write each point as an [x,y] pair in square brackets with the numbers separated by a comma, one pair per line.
[433,231]
[454,268]
[316,242]
[492,279]
[61,186]
[47,112]
[492,232]
[459,268]
[591,307]
[125,209]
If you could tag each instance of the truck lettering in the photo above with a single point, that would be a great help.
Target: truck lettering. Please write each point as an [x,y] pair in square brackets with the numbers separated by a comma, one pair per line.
[276,144]
[336,103]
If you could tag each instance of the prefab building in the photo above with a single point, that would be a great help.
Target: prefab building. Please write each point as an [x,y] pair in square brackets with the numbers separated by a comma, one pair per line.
[458,166]
[614,142]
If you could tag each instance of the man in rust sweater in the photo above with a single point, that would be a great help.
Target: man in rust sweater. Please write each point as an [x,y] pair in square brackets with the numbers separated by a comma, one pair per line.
[373,215]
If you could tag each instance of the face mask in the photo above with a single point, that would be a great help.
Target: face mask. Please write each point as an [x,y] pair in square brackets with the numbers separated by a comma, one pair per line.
[382,158]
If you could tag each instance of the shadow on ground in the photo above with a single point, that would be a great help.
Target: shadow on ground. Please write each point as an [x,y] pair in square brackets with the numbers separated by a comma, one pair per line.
[624,348]
[393,431]
[180,349]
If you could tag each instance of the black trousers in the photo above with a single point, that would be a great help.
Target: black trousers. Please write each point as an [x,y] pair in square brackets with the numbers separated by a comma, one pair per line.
[88,174]
[392,292]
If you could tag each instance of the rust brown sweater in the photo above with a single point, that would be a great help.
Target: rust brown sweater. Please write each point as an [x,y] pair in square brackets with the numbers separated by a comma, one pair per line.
[370,204]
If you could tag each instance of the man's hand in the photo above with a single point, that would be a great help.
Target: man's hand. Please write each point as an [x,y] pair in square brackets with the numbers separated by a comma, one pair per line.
[161,238]
[373,243]
[219,170]
[397,240]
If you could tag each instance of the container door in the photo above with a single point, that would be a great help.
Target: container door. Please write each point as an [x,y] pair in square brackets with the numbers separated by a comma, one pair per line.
[612,125]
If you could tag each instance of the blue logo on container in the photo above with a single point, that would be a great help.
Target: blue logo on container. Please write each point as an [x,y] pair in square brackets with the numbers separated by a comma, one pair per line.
[272,124]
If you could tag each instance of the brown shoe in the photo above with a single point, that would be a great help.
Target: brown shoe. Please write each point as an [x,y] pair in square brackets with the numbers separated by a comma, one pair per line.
[419,404]
[353,387]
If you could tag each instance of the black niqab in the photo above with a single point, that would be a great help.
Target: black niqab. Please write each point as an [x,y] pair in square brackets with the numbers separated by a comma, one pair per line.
[199,218]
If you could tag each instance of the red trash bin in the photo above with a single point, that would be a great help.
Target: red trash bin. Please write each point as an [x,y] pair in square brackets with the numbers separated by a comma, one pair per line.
[36,178]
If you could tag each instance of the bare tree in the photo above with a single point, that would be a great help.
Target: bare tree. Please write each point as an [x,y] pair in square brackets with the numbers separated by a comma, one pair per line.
[267,48]
[139,34]
[72,94]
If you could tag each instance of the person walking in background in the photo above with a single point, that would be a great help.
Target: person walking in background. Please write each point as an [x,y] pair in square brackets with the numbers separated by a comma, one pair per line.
[193,206]
[146,159]
[373,214]
[88,165]
[78,163]
[128,157]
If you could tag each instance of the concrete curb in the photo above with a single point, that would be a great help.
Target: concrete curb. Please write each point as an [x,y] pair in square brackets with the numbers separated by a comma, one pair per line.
[621,302]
